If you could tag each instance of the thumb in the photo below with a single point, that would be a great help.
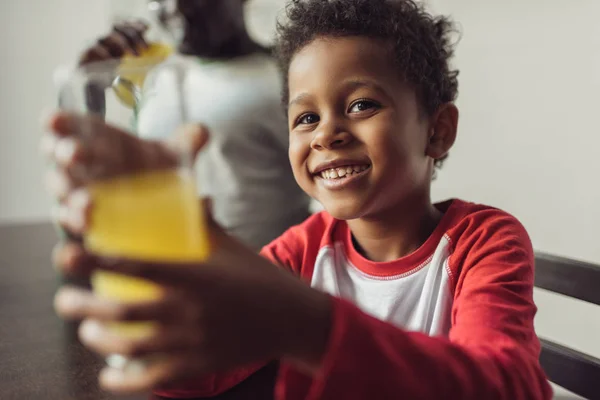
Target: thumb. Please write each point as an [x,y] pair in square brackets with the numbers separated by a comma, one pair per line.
[207,204]
[189,140]
[223,245]
[217,235]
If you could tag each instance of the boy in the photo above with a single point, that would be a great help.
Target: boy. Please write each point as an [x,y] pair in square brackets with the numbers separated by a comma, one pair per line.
[407,299]
[235,90]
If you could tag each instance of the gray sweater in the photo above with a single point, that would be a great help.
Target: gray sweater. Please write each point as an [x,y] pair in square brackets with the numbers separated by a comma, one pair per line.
[245,168]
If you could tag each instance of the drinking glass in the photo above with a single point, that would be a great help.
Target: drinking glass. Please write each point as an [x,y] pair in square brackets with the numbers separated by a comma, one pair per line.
[151,214]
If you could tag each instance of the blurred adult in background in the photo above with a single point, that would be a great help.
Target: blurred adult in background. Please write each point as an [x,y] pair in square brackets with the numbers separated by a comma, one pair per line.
[235,91]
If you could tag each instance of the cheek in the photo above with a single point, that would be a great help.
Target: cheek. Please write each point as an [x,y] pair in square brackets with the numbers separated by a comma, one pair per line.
[386,143]
[395,153]
[407,150]
[298,153]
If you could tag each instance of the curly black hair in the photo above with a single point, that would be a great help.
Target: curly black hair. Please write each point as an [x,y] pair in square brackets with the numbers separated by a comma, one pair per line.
[422,44]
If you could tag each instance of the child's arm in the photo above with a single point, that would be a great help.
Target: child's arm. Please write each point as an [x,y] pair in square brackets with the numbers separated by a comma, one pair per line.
[492,351]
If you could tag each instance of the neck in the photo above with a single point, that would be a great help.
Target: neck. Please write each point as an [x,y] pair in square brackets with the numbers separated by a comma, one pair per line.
[395,233]
[238,46]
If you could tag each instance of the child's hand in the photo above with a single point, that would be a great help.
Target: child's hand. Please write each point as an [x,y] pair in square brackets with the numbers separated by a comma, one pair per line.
[234,309]
[85,148]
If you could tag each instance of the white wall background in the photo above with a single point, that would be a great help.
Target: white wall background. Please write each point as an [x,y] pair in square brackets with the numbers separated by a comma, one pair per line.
[529,135]
[35,37]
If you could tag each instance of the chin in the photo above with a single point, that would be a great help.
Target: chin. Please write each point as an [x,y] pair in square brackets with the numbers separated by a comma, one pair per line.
[342,211]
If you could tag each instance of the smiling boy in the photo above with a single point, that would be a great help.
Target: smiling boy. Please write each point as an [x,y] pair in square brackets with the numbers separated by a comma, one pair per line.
[405,298]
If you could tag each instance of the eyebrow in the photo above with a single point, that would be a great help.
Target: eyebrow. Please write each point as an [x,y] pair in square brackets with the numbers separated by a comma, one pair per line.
[301,98]
[348,85]
[353,84]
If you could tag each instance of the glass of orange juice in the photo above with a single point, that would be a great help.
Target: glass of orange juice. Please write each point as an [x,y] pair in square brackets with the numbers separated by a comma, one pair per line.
[151,215]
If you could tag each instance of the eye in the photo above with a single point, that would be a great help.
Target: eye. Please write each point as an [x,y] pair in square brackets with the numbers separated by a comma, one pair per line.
[307,119]
[362,105]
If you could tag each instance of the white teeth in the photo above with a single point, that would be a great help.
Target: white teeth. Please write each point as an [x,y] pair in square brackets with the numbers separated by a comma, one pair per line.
[335,173]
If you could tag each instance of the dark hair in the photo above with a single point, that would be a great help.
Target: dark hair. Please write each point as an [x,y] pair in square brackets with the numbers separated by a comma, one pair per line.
[421,43]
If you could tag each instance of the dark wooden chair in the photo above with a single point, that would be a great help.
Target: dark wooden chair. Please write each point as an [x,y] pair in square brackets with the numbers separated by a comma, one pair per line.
[566,367]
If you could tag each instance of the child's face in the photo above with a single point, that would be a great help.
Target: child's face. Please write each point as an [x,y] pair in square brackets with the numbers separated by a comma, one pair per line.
[351,113]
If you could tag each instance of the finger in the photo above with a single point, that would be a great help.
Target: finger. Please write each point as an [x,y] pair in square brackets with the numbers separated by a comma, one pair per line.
[76,141]
[100,338]
[74,213]
[96,53]
[77,160]
[68,151]
[96,149]
[166,311]
[103,339]
[189,140]
[47,144]
[143,378]
[139,25]
[75,304]
[63,123]
[116,44]
[135,37]
[178,276]
[219,238]
[128,381]
[71,259]
[96,336]
[207,206]
[58,184]
[190,276]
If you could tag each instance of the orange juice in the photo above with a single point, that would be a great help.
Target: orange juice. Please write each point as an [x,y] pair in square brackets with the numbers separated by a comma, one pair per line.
[152,216]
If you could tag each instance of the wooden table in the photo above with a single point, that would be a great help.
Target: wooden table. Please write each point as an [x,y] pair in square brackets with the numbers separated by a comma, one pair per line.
[40,357]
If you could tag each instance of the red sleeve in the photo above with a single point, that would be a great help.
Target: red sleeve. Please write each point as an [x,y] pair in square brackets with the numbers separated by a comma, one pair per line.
[492,350]
[279,253]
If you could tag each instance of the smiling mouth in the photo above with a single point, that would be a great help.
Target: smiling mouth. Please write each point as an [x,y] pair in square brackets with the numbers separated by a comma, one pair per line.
[344,172]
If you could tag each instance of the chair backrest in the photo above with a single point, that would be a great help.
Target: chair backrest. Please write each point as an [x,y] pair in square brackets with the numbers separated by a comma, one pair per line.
[571,369]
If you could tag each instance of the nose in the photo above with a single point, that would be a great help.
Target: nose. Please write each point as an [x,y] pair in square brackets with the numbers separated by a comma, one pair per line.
[330,136]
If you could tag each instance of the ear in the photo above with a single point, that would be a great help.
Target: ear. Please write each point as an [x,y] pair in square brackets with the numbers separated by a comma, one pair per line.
[442,132]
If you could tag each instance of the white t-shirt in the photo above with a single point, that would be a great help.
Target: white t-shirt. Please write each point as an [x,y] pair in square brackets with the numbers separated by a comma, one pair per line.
[245,168]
